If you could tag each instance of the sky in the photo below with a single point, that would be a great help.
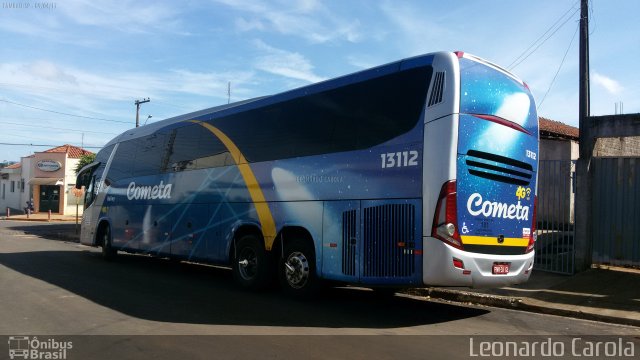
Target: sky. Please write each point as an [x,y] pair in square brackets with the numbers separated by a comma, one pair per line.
[70,71]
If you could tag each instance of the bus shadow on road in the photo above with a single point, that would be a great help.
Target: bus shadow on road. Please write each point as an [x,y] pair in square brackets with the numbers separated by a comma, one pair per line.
[160,290]
[53,231]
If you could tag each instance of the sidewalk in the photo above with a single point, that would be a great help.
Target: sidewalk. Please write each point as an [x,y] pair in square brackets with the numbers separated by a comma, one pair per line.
[42,217]
[603,294]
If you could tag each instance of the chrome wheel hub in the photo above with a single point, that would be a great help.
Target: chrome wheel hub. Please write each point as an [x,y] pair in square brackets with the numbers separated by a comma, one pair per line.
[297,270]
[247,264]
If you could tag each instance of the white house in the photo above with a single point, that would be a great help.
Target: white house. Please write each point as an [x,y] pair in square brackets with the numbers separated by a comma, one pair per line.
[47,177]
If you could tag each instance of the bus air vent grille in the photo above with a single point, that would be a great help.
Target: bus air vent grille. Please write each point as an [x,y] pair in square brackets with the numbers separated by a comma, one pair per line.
[498,168]
[389,241]
[437,89]
[349,234]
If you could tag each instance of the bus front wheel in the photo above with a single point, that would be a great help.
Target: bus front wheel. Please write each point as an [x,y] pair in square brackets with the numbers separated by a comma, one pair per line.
[108,252]
[297,270]
[251,266]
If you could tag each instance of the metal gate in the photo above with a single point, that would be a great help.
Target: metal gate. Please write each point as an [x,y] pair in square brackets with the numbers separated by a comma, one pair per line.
[555,216]
[616,211]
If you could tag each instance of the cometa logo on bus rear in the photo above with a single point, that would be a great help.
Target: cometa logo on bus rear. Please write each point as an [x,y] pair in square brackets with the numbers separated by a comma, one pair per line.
[476,206]
[149,192]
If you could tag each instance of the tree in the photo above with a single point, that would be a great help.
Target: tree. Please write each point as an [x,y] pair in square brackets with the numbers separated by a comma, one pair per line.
[84,161]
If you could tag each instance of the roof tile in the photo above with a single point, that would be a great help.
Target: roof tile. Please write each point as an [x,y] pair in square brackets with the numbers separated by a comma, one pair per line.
[14,166]
[72,152]
[552,128]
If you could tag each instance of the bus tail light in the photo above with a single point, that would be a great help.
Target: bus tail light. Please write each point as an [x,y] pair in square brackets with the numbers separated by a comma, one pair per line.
[533,236]
[504,122]
[445,220]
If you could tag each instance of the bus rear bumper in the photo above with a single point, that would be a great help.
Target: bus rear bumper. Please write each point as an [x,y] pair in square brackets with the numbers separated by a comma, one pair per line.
[439,269]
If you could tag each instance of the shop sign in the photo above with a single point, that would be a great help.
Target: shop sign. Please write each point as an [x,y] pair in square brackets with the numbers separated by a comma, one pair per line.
[49,165]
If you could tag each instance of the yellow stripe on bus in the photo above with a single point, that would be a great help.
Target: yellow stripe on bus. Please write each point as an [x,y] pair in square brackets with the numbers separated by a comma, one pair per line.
[257,197]
[493,240]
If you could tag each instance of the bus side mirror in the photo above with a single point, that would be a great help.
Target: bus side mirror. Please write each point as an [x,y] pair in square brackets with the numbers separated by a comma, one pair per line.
[80,179]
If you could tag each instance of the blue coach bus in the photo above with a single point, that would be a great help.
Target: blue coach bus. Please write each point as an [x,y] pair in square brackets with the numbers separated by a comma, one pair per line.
[418,172]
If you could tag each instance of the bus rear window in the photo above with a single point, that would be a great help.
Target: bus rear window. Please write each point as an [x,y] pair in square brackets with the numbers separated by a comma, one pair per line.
[488,91]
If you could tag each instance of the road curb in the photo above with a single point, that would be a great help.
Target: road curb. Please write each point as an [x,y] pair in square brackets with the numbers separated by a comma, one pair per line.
[63,237]
[36,219]
[515,303]
[467,297]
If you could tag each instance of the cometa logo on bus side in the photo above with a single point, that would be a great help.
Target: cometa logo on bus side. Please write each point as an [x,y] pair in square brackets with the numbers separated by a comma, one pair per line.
[149,192]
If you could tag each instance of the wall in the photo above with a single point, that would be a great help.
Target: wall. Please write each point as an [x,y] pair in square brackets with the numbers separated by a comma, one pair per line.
[69,184]
[558,149]
[58,174]
[611,224]
[10,198]
[26,175]
[617,146]
[556,172]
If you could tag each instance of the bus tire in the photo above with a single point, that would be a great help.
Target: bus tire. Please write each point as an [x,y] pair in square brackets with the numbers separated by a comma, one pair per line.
[251,266]
[297,269]
[108,252]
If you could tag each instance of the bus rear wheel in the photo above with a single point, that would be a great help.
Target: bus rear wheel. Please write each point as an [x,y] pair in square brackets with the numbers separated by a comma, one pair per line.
[252,267]
[297,269]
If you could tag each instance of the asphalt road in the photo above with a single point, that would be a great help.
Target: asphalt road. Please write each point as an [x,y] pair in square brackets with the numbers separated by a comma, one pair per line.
[62,289]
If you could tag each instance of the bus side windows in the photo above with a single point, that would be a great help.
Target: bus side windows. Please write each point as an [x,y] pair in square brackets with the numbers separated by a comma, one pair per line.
[148,155]
[193,147]
[184,148]
[103,155]
[352,117]
[122,163]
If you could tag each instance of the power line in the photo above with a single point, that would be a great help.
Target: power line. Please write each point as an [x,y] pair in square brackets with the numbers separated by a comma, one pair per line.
[63,89]
[63,113]
[56,128]
[559,67]
[545,33]
[517,61]
[45,145]
[29,86]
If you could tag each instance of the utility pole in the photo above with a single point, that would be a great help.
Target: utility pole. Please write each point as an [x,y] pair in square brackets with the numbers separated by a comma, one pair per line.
[584,111]
[138,102]
[583,198]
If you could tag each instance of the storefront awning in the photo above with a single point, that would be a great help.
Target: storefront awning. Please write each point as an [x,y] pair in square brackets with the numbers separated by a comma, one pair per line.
[45,181]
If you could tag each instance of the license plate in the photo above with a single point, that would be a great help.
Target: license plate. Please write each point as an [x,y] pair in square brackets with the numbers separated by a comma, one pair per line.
[500,268]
